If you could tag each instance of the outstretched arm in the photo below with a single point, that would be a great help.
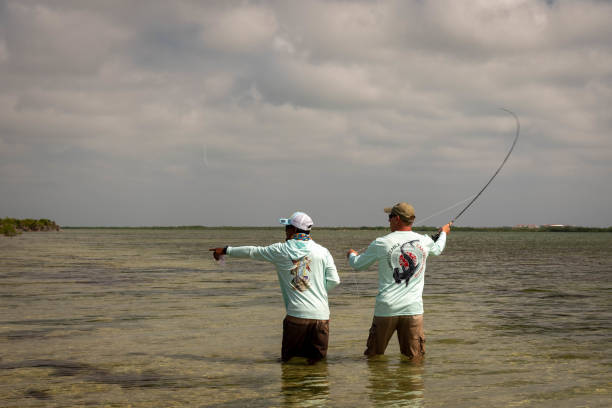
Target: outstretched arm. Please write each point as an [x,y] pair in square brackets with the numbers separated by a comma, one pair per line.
[359,262]
[268,253]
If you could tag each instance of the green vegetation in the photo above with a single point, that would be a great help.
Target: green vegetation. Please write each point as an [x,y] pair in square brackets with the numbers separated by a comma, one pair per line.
[542,228]
[571,228]
[12,226]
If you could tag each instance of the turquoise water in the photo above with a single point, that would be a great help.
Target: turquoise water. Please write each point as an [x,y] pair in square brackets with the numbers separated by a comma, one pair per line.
[146,318]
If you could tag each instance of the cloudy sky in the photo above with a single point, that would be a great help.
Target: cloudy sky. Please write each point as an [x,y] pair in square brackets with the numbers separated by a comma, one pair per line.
[239,112]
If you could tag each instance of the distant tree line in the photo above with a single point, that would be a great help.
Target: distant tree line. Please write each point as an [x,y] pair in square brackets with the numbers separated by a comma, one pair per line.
[420,228]
[12,226]
[571,228]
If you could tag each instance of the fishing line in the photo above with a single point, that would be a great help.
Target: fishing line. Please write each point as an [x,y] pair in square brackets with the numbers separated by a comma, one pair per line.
[474,197]
[355,288]
[432,215]
[518,130]
[357,291]
[446,209]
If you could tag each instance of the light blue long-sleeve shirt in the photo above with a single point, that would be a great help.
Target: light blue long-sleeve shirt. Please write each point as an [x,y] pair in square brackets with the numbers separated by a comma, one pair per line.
[306,272]
[399,294]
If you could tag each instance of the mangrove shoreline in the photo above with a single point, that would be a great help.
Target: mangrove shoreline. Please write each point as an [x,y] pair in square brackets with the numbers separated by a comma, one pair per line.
[13,226]
[381,228]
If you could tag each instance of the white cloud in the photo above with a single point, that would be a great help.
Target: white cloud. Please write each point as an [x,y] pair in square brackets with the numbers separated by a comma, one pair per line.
[243,29]
[500,24]
[283,45]
[333,83]
[41,39]
[218,86]
[3,51]
[340,31]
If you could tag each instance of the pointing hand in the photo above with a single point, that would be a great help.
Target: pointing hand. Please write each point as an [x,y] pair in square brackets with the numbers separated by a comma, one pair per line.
[218,252]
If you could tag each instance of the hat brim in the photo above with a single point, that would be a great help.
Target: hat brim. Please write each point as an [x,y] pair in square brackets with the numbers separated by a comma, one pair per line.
[285,221]
[388,210]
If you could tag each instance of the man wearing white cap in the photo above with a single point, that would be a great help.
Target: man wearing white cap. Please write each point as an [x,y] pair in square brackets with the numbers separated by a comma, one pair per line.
[306,273]
[401,257]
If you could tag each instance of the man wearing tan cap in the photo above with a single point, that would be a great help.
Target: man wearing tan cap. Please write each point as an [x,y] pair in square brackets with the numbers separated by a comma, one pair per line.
[401,257]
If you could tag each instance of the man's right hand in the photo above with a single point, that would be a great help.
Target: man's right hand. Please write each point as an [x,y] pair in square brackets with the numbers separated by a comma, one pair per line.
[218,252]
[447,228]
[351,251]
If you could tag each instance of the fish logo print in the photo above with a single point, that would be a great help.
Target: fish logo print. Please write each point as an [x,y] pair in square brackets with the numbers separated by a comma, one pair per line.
[408,261]
[301,272]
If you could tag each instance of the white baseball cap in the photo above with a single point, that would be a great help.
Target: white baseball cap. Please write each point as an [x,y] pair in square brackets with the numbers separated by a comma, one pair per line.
[299,220]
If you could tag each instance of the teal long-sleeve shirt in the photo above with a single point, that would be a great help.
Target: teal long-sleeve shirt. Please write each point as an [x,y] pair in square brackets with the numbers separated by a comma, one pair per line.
[399,293]
[306,273]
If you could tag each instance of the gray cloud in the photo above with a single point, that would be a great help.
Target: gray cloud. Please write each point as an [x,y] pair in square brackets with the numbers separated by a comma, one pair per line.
[338,108]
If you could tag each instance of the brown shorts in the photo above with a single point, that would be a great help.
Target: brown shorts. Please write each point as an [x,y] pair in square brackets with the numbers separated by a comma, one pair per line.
[410,335]
[304,338]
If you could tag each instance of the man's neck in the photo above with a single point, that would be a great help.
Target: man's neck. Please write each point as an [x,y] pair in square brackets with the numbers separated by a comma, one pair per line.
[402,228]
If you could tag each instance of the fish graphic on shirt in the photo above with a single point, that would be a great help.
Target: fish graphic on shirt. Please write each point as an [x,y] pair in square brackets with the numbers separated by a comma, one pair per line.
[301,272]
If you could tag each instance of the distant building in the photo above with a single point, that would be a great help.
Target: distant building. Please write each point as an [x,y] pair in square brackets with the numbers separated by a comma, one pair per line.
[526,226]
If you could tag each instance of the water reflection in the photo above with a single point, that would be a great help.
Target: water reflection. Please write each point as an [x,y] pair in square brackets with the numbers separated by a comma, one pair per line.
[305,385]
[91,373]
[395,385]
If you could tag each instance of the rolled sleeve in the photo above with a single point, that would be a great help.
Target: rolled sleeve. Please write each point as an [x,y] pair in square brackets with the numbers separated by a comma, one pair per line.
[331,273]
[436,247]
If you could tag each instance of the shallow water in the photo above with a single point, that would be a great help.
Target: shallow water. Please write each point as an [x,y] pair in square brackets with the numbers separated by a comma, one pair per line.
[147,318]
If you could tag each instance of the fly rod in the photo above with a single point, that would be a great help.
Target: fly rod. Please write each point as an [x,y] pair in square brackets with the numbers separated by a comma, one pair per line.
[518,130]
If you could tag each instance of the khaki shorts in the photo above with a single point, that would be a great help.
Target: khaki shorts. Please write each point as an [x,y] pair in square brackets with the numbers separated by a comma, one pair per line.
[304,338]
[410,335]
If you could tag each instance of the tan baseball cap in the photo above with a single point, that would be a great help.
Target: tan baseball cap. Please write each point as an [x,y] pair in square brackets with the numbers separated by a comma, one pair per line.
[404,210]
